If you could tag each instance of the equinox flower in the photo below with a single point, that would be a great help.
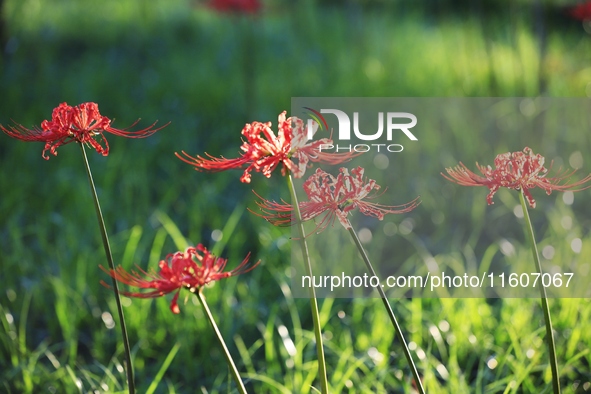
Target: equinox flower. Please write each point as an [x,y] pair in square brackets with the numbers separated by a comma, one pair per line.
[190,269]
[334,197]
[514,170]
[81,123]
[264,151]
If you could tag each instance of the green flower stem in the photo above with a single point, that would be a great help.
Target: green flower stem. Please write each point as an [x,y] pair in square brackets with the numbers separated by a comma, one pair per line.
[397,328]
[103,229]
[549,332]
[313,300]
[233,369]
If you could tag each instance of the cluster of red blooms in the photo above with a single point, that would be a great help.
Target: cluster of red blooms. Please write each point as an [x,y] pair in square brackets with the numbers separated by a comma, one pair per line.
[335,197]
[264,151]
[191,269]
[82,123]
[331,198]
[514,170]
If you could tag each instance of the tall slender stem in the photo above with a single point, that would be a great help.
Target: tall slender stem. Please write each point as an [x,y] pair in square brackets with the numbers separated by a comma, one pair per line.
[386,303]
[229,359]
[107,247]
[549,332]
[313,300]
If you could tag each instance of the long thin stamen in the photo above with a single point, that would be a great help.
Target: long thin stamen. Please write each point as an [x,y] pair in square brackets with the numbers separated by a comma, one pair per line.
[107,247]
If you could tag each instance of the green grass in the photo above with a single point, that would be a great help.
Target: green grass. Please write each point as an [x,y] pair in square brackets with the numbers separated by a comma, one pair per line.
[174,61]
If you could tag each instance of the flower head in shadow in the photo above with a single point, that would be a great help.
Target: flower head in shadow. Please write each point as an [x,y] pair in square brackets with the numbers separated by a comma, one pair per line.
[192,269]
[581,12]
[263,151]
[82,123]
[331,198]
[515,170]
[238,6]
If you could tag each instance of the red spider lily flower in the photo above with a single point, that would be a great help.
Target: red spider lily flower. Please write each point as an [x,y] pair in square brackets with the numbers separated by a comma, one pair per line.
[191,269]
[264,151]
[81,123]
[239,6]
[334,197]
[514,170]
[581,11]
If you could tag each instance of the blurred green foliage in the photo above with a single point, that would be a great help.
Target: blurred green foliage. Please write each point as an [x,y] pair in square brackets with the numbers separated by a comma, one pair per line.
[210,74]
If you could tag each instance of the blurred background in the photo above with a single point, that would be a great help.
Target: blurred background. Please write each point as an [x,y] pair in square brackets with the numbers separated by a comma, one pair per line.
[209,68]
